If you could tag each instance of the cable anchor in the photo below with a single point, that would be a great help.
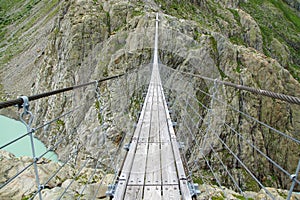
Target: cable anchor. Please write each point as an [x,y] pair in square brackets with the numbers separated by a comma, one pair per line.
[30,132]
[25,112]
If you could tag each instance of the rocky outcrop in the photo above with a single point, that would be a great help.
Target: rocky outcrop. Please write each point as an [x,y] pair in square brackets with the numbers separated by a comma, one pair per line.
[80,41]
[24,186]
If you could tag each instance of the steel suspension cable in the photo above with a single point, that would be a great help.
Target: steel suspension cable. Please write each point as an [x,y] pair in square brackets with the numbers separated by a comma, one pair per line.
[19,101]
[283,97]
[248,116]
[252,118]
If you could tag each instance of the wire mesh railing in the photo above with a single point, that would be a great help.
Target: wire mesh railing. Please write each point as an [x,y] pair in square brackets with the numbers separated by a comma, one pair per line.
[231,144]
[117,105]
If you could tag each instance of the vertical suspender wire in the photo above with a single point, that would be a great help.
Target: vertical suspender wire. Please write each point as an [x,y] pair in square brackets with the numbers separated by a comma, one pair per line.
[232,178]
[294,177]
[31,131]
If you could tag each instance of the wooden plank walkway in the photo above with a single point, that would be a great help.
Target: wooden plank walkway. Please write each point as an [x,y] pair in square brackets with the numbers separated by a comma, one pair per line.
[153,167]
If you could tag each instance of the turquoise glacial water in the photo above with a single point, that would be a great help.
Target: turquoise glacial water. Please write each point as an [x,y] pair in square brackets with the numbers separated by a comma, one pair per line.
[11,129]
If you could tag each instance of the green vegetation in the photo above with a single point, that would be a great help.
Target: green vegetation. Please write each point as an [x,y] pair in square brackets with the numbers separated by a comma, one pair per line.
[100,114]
[12,11]
[137,12]
[60,122]
[21,14]
[222,197]
[280,22]
[25,198]
[274,17]
[198,180]
[217,198]
[241,197]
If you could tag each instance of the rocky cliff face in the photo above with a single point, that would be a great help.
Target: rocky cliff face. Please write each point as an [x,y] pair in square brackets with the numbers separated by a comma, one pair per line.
[75,41]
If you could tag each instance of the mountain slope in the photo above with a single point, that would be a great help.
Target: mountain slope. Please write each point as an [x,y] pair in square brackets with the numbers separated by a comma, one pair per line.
[46,45]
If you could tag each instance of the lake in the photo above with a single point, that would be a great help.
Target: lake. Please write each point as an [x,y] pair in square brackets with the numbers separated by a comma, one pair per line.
[10,129]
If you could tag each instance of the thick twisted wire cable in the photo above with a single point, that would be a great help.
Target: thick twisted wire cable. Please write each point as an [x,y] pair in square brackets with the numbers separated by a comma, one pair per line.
[248,116]
[283,97]
[19,101]
[252,118]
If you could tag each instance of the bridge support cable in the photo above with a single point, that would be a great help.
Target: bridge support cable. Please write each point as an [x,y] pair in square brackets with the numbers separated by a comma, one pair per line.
[242,137]
[20,101]
[198,146]
[181,95]
[35,159]
[283,97]
[215,153]
[236,157]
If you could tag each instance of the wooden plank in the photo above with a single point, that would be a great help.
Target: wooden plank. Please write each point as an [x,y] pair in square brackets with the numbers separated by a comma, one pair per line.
[178,161]
[120,190]
[168,168]
[145,131]
[154,130]
[152,193]
[168,117]
[184,189]
[163,126]
[137,173]
[153,170]
[133,192]
[171,192]
[128,161]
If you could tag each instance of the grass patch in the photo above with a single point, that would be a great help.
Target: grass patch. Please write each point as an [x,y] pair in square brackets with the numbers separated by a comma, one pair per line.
[241,197]
[280,22]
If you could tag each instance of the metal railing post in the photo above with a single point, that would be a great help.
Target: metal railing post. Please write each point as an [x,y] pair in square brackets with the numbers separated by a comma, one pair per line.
[30,130]
[293,177]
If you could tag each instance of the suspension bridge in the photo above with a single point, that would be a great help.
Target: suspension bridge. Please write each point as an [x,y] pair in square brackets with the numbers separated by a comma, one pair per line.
[158,159]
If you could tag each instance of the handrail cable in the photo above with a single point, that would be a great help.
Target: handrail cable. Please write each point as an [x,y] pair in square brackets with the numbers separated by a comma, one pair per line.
[283,97]
[19,101]
[245,114]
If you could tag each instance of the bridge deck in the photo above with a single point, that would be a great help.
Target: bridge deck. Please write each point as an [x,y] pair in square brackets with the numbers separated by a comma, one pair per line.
[153,167]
